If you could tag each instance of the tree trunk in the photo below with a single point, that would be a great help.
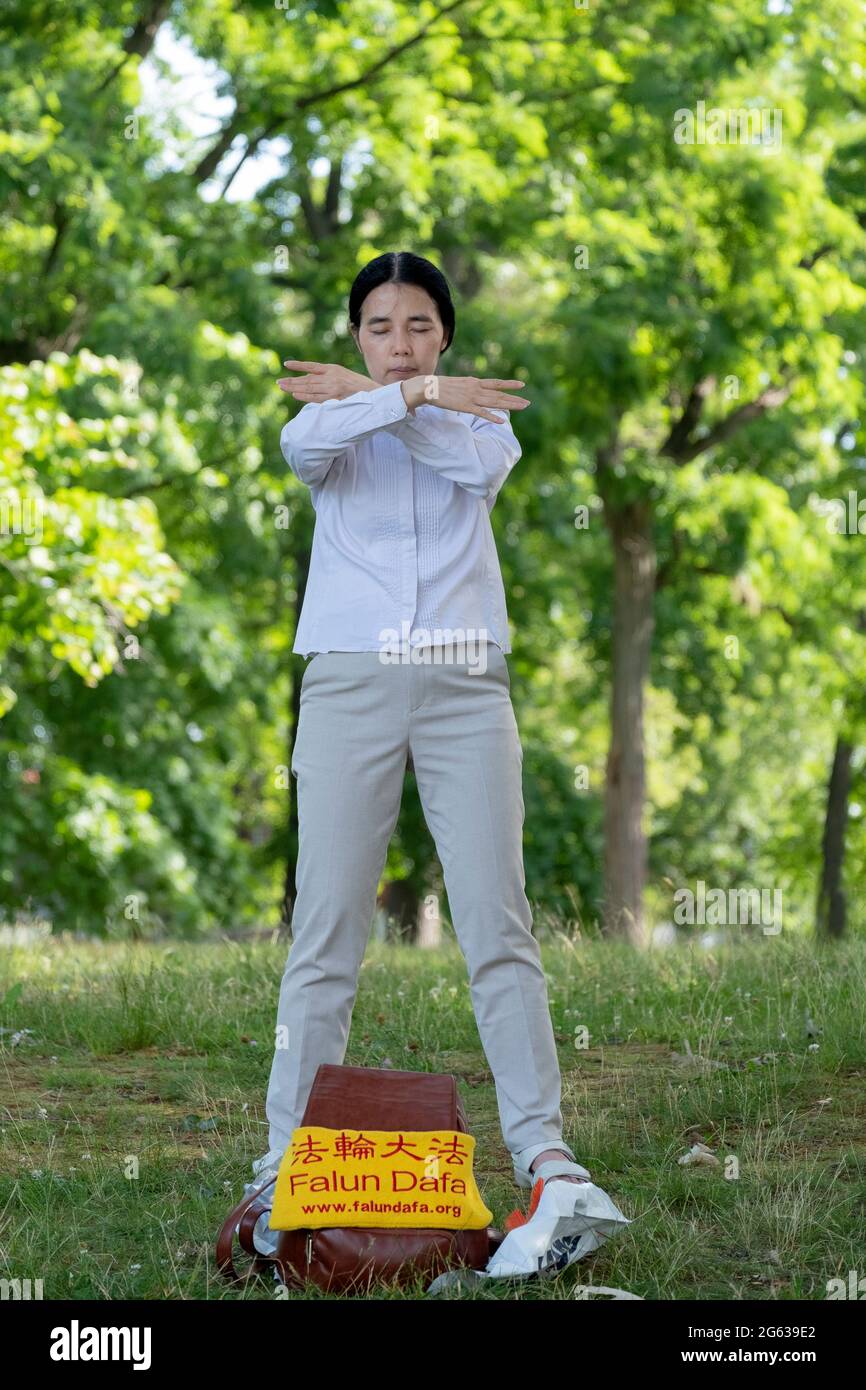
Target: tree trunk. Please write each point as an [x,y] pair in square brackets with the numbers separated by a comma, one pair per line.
[831,910]
[634,558]
[399,901]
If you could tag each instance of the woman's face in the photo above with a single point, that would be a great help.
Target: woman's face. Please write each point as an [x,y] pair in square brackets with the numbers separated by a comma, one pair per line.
[401,333]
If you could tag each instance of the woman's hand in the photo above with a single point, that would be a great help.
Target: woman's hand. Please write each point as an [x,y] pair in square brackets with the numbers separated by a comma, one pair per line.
[323,382]
[472,394]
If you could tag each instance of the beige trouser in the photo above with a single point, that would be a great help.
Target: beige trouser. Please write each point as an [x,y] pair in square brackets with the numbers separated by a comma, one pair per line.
[359,719]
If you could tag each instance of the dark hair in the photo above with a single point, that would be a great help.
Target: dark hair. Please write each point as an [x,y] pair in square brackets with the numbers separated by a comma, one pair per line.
[403,268]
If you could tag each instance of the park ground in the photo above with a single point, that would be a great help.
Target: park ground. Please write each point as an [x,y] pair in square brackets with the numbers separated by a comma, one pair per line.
[133,1081]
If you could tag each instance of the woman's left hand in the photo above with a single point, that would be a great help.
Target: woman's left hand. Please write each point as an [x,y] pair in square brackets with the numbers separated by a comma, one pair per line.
[323,382]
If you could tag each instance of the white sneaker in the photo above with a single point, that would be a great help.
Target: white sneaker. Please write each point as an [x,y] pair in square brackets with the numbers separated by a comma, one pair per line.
[525,1177]
[570,1221]
[264,1239]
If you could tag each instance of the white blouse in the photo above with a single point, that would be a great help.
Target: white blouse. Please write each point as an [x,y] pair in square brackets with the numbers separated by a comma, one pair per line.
[403,550]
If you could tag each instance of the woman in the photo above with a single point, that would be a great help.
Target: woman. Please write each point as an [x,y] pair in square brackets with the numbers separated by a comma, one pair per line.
[405,612]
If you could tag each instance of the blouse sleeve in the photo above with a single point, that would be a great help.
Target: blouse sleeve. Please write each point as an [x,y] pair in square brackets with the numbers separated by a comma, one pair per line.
[478,454]
[322,430]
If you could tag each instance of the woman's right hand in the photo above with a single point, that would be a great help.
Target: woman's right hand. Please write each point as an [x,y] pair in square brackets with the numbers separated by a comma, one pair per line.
[323,381]
[472,394]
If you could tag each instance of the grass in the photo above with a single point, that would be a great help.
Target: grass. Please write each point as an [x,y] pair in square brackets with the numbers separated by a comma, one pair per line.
[133,1079]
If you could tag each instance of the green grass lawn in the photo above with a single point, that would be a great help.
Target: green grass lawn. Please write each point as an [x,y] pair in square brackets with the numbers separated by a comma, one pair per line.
[134,1079]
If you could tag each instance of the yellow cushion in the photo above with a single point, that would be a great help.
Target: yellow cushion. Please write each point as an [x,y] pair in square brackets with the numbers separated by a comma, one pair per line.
[378,1177]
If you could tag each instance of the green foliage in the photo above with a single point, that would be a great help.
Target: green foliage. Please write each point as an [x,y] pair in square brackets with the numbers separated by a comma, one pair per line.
[152,540]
